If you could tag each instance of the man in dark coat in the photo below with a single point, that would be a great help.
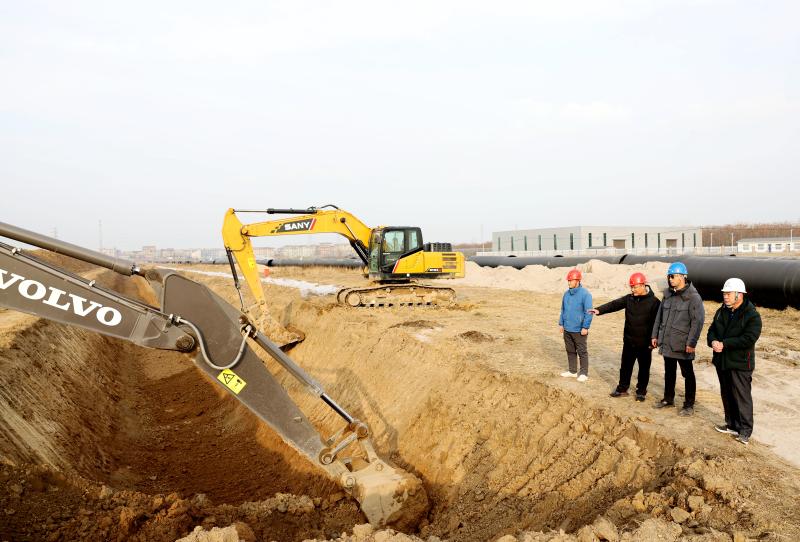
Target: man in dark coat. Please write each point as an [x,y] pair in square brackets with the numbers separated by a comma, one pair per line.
[641,307]
[732,336]
[676,331]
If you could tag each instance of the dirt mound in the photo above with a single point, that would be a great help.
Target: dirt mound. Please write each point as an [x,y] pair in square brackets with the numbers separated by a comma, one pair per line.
[69,507]
[601,278]
[417,324]
[476,336]
[62,261]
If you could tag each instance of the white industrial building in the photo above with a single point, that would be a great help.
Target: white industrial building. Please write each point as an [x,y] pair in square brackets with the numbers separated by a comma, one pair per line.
[600,240]
[769,244]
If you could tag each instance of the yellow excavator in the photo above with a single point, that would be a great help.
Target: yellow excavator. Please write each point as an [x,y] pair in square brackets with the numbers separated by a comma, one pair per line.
[393,256]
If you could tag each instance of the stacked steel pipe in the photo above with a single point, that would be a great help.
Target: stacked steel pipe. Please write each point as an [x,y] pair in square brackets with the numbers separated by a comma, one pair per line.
[771,282]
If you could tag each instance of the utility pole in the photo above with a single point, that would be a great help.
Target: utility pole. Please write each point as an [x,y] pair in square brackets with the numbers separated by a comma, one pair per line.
[731,240]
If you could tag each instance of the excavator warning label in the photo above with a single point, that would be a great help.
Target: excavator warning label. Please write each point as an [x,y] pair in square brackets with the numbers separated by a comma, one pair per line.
[231,381]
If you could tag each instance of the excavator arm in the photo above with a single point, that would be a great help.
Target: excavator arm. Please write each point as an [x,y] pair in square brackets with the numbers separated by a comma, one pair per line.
[195,320]
[236,237]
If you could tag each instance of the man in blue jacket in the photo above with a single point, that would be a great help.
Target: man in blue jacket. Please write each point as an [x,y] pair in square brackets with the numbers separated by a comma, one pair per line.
[574,323]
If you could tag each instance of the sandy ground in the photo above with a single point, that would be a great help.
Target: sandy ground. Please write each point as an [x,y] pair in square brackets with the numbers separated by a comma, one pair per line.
[106,441]
[776,388]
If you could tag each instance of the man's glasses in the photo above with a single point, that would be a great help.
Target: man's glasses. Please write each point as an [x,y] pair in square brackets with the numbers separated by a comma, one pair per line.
[673,276]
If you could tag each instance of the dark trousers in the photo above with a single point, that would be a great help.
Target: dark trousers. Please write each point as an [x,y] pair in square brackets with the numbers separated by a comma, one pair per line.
[576,346]
[737,401]
[687,370]
[630,354]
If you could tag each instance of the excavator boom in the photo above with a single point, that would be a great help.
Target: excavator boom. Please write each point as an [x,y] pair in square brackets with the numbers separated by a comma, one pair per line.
[195,320]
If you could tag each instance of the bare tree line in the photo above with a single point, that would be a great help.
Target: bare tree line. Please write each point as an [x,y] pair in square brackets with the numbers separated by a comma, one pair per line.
[722,235]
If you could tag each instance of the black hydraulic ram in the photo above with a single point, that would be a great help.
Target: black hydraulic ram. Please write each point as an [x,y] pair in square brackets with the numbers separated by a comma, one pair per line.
[117,265]
[274,211]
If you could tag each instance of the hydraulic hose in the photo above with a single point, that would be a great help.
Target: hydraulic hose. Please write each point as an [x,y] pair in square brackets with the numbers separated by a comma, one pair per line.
[247,329]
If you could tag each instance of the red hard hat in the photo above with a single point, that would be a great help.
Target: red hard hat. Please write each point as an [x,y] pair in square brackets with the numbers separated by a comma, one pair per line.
[574,274]
[637,278]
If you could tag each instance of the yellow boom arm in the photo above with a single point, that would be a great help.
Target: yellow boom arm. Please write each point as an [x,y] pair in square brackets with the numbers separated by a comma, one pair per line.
[236,236]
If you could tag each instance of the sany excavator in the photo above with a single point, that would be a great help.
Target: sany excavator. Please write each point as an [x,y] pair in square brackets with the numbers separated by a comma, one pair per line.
[194,320]
[393,256]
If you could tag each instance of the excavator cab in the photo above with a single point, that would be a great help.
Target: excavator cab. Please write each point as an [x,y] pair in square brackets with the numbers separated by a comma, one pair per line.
[389,244]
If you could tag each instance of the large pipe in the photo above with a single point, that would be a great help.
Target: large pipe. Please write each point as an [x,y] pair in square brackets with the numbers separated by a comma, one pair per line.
[770,282]
[124,267]
[312,262]
[548,261]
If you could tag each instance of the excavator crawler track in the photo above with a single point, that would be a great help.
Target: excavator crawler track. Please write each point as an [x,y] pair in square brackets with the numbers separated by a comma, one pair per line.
[396,295]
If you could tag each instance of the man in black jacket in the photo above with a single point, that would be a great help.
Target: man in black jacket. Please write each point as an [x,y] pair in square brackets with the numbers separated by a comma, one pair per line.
[641,307]
[732,336]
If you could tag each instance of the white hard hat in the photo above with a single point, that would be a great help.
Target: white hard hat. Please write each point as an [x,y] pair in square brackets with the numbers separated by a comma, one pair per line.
[734,285]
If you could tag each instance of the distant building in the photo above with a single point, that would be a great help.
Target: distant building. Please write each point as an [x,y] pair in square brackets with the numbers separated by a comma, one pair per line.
[149,253]
[326,250]
[212,254]
[295,251]
[598,239]
[769,244]
[264,252]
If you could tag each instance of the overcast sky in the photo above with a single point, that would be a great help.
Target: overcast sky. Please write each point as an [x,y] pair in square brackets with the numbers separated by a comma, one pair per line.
[460,117]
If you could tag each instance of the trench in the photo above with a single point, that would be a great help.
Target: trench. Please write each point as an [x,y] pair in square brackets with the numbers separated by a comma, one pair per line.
[101,415]
[497,452]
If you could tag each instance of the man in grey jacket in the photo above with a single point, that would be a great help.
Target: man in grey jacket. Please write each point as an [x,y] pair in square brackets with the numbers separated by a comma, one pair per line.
[676,332]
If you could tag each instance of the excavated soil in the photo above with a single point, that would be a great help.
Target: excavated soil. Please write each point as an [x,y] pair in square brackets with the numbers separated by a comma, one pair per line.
[103,440]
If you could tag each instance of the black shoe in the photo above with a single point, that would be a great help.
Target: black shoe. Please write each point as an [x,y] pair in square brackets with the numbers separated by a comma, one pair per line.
[744,439]
[725,429]
[664,403]
[686,411]
[640,398]
[617,393]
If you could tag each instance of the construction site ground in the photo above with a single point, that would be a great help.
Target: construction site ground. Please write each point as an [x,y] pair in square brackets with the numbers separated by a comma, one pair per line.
[103,440]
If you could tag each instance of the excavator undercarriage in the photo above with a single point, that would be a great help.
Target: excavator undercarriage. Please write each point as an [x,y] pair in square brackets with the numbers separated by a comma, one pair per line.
[220,339]
[396,295]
